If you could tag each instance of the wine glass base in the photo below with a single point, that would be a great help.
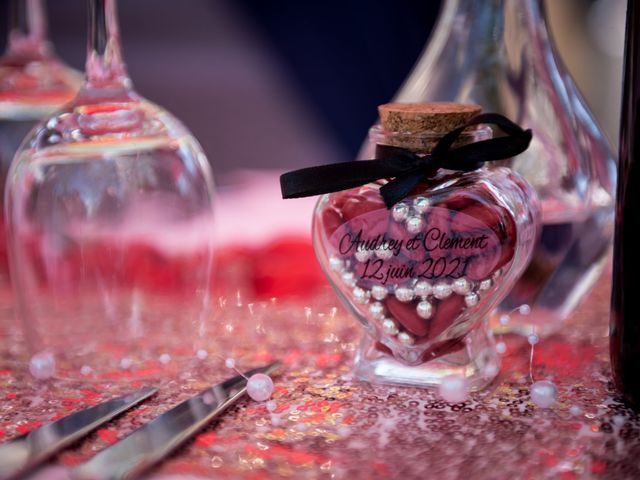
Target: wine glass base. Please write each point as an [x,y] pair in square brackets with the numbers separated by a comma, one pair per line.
[474,358]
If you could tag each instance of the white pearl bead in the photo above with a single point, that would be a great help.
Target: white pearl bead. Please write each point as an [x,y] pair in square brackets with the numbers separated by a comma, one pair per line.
[230,363]
[336,264]
[260,387]
[384,253]
[421,204]
[504,320]
[404,294]
[86,370]
[533,339]
[424,309]
[362,254]
[400,212]
[461,286]
[442,291]
[42,365]
[405,338]
[360,295]
[485,285]
[501,347]
[471,299]
[575,410]
[454,389]
[379,292]
[414,224]
[377,310]
[126,363]
[164,358]
[524,309]
[389,327]
[202,354]
[349,279]
[544,393]
[423,289]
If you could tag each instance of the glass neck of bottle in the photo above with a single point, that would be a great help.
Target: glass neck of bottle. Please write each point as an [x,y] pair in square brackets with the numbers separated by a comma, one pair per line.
[105,68]
[27,29]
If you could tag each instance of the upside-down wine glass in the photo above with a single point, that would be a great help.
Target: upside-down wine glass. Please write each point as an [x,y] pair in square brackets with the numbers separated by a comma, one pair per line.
[109,207]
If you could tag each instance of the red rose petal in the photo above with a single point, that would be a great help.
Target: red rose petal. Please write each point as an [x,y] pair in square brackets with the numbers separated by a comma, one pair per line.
[331,220]
[406,315]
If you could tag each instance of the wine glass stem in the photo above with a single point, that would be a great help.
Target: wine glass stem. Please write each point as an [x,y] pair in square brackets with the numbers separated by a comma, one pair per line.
[27,27]
[105,66]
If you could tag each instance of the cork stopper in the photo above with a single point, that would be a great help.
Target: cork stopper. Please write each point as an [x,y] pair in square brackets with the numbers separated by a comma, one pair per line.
[417,118]
[419,126]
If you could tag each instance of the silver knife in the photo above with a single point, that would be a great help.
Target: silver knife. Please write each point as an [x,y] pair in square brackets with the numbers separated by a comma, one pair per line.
[27,451]
[149,444]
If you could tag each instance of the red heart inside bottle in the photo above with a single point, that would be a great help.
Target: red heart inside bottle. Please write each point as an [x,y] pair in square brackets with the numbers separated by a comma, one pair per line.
[422,274]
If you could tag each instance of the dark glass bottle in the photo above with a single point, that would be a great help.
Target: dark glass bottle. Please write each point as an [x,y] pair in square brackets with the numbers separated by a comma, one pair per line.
[625,324]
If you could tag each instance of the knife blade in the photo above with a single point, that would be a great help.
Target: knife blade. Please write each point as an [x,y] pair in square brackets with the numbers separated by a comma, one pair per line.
[22,454]
[152,442]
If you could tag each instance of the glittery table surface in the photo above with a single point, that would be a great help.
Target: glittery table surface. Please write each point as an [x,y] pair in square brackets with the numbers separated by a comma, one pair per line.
[327,425]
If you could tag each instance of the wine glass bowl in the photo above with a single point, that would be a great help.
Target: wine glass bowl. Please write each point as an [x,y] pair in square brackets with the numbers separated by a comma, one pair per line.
[109,207]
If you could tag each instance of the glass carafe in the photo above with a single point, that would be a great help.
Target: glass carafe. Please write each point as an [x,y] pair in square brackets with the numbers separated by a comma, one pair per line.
[497,53]
[109,207]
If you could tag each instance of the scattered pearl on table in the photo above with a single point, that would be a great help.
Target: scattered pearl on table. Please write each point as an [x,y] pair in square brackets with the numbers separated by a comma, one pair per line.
[42,365]
[442,290]
[544,393]
[164,358]
[421,204]
[86,370]
[454,389]
[461,286]
[379,292]
[404,294]
[260,387]
[414,224]
[400,212]
[485,285]
[389,327]
[201,354]
[377,310]
[423,289]
[575,410]
[424,309]
[405,338]
[126,363]
[501,347]
[471,300]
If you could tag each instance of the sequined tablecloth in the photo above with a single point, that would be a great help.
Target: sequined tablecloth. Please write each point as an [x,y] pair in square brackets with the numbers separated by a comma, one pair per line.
[326,425]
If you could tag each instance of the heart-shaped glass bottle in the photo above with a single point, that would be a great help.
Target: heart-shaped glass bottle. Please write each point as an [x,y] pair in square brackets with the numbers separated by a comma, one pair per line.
[423,276]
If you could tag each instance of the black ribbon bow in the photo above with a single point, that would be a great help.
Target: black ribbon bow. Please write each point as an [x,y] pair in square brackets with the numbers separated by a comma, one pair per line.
[406,168]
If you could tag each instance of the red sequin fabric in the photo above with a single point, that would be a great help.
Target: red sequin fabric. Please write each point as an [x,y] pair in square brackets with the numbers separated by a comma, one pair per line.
[327,425]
